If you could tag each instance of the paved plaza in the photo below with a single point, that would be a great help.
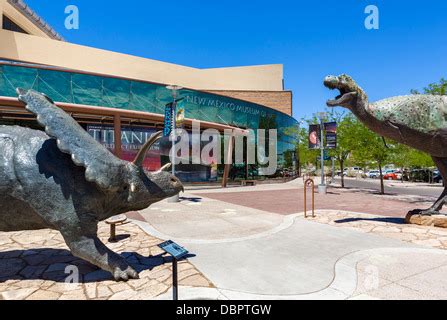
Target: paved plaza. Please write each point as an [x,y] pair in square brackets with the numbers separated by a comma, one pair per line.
[339,254]
[33,266]
[248,243]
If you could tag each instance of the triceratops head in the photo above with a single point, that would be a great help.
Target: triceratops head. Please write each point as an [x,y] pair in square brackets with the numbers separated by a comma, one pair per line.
[149,187]
[350,92]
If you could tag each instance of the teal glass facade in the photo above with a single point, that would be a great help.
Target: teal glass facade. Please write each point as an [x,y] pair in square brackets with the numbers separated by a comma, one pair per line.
[76,88]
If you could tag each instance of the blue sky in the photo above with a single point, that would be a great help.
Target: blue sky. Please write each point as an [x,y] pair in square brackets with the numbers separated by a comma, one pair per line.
[311,38]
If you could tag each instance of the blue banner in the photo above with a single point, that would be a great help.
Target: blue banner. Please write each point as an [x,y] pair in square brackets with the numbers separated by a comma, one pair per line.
[168,119]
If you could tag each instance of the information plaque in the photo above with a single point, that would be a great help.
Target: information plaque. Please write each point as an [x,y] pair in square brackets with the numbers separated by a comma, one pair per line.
[177,252]
[173,249]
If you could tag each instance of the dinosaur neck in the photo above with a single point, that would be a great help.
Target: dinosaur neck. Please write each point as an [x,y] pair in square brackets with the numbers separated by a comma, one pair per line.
[382,128]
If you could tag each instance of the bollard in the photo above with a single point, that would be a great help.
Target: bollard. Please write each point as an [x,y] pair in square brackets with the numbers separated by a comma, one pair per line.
[112,232]
[113,221]
[309,183]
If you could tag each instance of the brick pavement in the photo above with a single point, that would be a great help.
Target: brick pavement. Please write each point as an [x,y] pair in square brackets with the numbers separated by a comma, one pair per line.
[289,201]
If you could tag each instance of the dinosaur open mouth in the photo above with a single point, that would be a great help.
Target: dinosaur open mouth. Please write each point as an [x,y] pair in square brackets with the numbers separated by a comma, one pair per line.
[333,84]
[338,99]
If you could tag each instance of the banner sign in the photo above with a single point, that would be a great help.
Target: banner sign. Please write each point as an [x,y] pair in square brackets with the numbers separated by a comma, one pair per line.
[314,136]
[331,135]
[168,119]
[132,139]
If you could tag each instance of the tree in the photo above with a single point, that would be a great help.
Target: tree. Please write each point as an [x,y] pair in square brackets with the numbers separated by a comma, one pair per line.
[418,159]
[345,139]
[407,157]
[368,146]
[434,88]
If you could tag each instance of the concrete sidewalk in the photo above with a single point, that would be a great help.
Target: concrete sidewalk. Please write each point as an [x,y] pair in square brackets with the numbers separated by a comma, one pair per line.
[253,254]
[401,184]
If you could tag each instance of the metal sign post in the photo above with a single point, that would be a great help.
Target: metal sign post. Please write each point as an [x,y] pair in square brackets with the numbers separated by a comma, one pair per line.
[173,137]
[322,188]
[177,252]
[333,169]
[322,152]
[173,110]
[174,280]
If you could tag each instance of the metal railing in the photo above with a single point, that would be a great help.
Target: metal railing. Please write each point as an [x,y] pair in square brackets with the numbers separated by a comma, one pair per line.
[309,183]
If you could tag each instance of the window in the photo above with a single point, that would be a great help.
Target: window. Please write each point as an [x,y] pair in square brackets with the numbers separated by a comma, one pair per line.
[8,24]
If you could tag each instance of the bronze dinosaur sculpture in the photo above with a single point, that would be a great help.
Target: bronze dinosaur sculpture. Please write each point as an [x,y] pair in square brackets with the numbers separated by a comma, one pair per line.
[419,121]
[63,179]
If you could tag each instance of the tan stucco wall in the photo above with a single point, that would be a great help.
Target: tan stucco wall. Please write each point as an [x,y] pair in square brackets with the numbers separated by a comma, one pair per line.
[21,20]
[278,100]
[253,76]
[33,49]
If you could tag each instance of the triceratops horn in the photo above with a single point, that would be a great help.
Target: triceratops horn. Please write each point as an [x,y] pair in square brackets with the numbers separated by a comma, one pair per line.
[165,167]
[21,91]
[138,161]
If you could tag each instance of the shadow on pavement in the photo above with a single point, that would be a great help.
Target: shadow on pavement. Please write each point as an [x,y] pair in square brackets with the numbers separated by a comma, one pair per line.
[51,264]
[191,199]
[384,219]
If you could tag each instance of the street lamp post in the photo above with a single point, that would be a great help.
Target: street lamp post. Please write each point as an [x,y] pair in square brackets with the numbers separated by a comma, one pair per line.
[322,188]
[174,89]
[333,170]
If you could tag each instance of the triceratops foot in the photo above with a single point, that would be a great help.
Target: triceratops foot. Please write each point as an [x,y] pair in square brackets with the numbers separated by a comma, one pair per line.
[123,275]
[91,249]
[424,212]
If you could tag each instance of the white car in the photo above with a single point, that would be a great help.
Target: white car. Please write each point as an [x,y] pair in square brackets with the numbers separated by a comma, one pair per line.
[345,172]
[354,172]
[373,174]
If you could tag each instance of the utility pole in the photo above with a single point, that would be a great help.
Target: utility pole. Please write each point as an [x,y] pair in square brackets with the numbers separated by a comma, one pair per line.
[333,169]
[174,89]
[322,188]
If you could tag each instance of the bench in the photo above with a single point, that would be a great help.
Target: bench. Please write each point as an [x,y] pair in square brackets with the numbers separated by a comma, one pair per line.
[113,222]
[248,182]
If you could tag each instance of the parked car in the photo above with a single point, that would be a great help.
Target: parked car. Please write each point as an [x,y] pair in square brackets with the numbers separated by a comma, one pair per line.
[392,175]
[287,173]
[437,177]
[373,174]
[345,172]
[354,172]
[420,175]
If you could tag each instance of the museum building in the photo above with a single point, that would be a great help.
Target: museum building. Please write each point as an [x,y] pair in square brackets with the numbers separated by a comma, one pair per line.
[120,99]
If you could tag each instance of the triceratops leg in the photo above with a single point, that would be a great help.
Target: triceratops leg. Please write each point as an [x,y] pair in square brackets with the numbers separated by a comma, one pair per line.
[441,163]
[91,249]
